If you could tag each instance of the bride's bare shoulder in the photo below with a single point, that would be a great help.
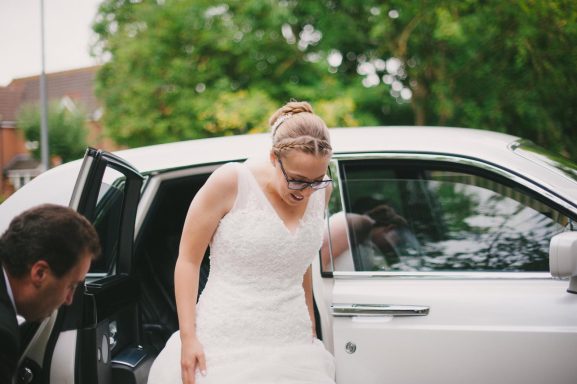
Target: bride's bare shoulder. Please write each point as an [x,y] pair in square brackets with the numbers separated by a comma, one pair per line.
[223,180]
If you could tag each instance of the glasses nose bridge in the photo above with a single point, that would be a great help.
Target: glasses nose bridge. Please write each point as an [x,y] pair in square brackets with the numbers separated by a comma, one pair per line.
[308,188]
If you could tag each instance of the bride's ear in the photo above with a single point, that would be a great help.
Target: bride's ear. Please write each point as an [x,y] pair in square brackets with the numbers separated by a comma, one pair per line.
[272,158]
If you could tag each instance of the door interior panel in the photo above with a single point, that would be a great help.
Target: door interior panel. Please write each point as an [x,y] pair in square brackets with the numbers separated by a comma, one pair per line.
[156,253]
[111,326]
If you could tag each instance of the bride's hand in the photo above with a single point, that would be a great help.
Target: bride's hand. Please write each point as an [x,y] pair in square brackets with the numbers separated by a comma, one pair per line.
[192,358]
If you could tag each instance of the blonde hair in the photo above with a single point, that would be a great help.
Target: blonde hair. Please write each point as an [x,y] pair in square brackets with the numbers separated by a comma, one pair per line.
[294,126]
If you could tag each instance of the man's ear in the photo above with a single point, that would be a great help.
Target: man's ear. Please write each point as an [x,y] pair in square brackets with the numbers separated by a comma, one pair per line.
[39,272]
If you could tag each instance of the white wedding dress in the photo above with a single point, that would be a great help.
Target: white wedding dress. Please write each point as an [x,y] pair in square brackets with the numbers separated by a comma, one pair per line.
[252,318]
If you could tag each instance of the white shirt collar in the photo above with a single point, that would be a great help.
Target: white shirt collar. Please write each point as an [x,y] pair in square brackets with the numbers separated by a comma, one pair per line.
[19,318]
[9,289]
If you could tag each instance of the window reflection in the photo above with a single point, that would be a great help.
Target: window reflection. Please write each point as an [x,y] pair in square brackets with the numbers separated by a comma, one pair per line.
[107,219]
[414,219]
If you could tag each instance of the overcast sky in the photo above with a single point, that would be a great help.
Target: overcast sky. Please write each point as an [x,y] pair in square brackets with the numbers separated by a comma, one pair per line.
[67,36]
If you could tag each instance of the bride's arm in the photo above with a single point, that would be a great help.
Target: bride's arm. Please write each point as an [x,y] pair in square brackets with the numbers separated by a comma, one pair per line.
[209,205]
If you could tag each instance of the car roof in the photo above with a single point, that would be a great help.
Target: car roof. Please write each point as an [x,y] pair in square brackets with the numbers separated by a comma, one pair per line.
[487,146]
[458,141]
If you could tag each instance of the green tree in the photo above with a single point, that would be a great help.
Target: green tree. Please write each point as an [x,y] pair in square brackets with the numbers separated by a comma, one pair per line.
[67,130]
[177,68]
[500,65]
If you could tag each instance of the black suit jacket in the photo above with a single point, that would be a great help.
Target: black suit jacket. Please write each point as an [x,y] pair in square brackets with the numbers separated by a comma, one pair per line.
[9,335]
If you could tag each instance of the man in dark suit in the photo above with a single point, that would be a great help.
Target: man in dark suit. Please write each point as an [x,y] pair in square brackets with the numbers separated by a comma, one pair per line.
[44,254]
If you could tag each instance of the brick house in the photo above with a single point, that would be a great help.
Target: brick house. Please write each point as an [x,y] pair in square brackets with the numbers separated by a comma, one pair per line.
[73,88]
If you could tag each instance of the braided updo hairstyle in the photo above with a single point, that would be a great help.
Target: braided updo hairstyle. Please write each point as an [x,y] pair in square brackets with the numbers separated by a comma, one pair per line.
[295,127]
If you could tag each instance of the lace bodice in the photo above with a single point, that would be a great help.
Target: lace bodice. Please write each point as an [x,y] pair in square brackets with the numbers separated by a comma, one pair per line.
[254,292]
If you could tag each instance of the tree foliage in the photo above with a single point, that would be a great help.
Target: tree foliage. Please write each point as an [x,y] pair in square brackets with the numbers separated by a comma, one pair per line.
[66,129]
[183,69]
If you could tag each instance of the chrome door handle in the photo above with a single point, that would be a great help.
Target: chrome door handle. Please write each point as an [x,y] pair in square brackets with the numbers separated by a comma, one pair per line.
[379,310]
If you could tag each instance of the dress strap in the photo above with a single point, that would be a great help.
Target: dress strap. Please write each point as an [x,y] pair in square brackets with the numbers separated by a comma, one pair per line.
[318,203]
[243,186]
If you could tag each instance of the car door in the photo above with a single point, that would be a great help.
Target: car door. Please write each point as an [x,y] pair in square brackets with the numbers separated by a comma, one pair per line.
[79,342]
[443,274]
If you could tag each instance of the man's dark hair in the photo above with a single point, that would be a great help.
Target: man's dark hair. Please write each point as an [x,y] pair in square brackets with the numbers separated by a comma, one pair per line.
[384,215]
[56,234]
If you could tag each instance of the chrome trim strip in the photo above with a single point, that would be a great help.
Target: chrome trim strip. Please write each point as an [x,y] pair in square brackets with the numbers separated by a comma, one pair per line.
[336,179]
[443,275]
[342,310]
[93,276]
[80,182]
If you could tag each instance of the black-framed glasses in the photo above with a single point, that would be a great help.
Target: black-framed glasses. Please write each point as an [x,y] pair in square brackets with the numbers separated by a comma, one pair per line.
[299,185]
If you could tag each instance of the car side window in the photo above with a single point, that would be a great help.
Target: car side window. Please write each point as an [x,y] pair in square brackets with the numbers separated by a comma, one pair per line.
[418,218]
[107,220]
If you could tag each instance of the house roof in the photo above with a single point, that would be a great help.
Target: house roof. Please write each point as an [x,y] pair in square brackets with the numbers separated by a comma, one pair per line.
[9,103]
[77,84]
[21,162]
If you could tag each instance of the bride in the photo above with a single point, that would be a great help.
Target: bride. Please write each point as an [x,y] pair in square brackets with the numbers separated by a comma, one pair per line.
[263,219]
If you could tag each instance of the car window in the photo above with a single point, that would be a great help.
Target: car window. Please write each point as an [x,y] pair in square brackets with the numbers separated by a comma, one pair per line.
[107,218]
[411,217]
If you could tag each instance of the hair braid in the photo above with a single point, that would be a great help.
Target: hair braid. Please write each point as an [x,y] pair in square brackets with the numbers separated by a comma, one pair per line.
[296,127]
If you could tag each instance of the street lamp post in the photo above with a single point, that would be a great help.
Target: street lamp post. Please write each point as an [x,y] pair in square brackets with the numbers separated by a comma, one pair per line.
[43,102]
[1,158]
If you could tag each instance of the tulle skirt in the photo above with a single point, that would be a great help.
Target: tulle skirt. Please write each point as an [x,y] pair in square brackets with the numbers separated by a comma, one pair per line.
[284,364]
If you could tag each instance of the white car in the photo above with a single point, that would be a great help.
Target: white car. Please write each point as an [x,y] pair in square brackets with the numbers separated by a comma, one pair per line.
[451,257]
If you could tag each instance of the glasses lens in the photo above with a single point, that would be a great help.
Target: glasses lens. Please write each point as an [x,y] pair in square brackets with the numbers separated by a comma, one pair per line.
[297,185]
[300,185]
[320,184]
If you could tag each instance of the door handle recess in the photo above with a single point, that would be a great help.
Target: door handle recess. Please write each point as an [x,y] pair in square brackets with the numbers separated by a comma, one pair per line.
[378,310]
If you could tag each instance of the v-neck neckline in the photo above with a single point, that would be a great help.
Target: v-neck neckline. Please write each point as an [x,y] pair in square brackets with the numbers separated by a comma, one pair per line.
[273,209]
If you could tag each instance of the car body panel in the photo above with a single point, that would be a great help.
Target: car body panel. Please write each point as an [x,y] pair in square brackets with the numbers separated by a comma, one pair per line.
[512,331]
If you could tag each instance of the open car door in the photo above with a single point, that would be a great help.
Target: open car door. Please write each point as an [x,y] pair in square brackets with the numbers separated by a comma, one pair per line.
[81,343]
